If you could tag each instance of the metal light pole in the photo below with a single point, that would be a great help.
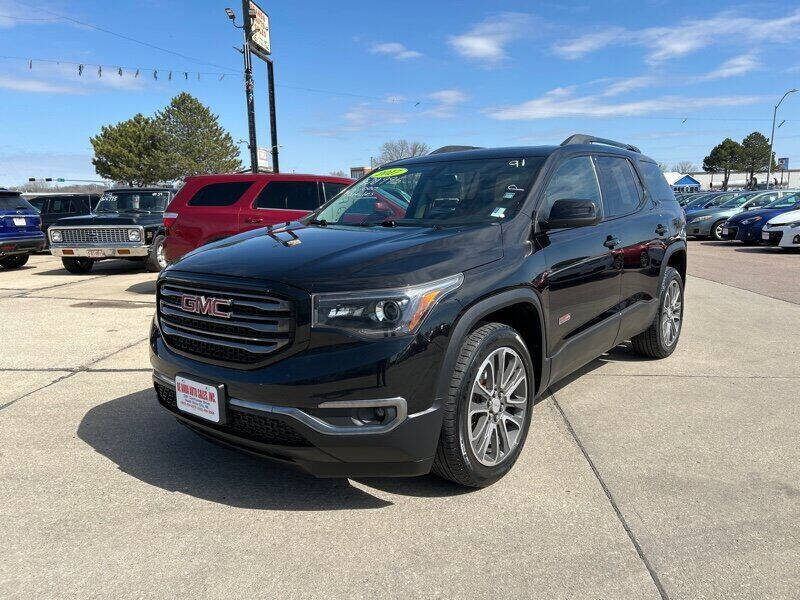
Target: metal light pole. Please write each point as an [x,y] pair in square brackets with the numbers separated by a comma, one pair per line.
[273,124]
[772,137]
[248,90]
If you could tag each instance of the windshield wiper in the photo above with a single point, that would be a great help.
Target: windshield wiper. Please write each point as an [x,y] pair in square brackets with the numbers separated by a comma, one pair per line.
[320,222]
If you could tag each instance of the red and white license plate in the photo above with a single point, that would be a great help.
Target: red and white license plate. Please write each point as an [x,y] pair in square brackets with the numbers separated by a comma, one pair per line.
[20,221]
[198,399]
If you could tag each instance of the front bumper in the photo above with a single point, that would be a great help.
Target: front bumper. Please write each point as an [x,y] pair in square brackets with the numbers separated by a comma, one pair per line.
[785,237]
[99,251]
[701,229]
[21,245]
[743,233]
[285,413]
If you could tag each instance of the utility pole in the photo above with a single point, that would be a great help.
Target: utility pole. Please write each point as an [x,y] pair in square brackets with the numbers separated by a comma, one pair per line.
[248,83]
[772,137]
[273,125]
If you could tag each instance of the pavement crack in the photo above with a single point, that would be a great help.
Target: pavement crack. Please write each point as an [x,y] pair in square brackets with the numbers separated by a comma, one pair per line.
[74,371]
[26,293]
[631,535]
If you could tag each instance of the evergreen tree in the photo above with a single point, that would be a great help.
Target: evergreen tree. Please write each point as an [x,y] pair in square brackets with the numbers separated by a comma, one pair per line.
[132,152]
[724,158]
[755,154]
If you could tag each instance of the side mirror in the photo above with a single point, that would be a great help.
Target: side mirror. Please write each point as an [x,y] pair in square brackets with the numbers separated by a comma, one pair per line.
[572,213]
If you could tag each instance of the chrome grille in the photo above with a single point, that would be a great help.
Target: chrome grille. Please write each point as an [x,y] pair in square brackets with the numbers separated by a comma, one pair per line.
[258,325]
[94,235]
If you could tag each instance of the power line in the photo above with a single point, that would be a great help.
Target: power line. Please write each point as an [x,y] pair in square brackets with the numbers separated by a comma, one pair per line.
[128,38]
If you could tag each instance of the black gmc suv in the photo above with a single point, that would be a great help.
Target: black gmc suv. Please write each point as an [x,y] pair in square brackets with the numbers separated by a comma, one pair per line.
[410,322]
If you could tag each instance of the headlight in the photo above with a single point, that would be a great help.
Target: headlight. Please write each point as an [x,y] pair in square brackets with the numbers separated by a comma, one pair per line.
[55,235]
[705,218]
[751,220]
[134,235]
[381,313]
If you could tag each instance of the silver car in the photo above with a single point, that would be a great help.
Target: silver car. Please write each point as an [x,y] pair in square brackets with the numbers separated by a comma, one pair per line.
[708,222]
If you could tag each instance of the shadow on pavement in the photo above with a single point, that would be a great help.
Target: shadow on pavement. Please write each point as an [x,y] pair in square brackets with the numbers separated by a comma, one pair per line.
[145,287]
[144,441]
[620,353]
[104,267]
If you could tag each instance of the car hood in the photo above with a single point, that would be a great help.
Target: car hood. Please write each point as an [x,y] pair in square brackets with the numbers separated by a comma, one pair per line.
[318,258]
[714,211]
[112,219]
[764,213]
[787,217]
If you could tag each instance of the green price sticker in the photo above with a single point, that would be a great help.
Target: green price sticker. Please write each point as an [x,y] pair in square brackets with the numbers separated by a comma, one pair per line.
[389,172]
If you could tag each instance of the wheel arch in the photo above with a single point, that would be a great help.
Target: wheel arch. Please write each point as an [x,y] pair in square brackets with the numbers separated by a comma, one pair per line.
[519,308]
[675,257]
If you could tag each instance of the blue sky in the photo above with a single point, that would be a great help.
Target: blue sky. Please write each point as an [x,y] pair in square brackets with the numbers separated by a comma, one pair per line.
[671,77]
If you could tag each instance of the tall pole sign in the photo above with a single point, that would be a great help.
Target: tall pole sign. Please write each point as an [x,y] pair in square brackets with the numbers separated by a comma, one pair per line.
[248,90]
[258,34]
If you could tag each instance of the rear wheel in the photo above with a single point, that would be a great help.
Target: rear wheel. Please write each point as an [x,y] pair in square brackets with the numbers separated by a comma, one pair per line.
[488,409]
[661,338]
[15,261]
[716,230]
[156,261]
[78,265]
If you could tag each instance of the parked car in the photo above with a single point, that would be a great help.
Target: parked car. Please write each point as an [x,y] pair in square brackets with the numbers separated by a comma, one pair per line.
[53,207]
[213,207]
[746,226]
[352,343]
[127,223]
[20,233]
[783,230]
[709,222]
[707,200]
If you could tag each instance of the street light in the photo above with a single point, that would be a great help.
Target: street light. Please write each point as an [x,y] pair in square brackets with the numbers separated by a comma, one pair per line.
[772,137]
[248,91]
[230,14]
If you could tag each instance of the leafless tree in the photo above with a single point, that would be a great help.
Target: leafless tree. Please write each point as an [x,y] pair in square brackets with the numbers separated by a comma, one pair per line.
[685,166]
[397,149]
[337,173]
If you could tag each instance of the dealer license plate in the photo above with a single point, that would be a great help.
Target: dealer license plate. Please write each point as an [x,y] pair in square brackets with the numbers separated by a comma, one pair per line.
[198,399]
[95,254]
[724,231]
[19,222]
[765,235]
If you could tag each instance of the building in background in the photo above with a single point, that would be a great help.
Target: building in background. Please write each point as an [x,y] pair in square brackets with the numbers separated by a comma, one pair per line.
[789,178]
[681,183]
[359,172]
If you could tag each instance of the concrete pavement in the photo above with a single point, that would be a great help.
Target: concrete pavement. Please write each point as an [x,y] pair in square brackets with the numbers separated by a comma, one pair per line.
[640,479]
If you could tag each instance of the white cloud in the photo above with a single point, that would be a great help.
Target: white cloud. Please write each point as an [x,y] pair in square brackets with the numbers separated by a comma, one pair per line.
[487,40]
[687,36]
[445,102]
[631,83]
[738,65]
[448,96]
[37,86]
[560,102]
[396,50]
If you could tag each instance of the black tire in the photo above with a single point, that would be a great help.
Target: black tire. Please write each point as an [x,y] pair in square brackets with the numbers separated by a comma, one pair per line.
[78,265]
[155,260]
[715,233]
[15,261]
[455,459]
[651,342]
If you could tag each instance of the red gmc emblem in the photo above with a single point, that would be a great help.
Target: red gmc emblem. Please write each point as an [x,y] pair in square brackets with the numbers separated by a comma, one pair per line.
[205,306]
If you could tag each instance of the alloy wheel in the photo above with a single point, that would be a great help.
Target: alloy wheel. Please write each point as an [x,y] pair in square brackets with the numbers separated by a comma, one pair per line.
[497,404]
[671,314]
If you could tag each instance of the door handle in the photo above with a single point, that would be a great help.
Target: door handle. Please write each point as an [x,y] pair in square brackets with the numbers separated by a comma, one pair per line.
[611,242]
[254,220]
[661,230]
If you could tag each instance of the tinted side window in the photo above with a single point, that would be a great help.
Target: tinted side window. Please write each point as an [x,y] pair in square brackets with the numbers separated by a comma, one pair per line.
[331,189]
[575,179]
[658,186]
[59,205]
[220,194]
[292,195]
[621,190]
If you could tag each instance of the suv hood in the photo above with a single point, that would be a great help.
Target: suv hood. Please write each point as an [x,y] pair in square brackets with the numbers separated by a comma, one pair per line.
[344,258]
[787,217]
[112,219]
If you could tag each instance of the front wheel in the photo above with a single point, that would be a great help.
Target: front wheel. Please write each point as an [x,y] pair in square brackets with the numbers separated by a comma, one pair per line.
[15,261]
[716,230]
[488,409]
[156,261]
[661,338]
[78,265]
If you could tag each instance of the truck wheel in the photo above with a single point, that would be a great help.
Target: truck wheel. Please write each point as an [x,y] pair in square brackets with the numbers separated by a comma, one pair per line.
[14,262]
[155,260]
[661,338]
[78,265]
[488,408]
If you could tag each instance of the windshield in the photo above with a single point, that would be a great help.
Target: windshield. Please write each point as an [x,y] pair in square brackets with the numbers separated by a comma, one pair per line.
[785,202]
[736,201]
[435,193]
[133,201]
[699,200]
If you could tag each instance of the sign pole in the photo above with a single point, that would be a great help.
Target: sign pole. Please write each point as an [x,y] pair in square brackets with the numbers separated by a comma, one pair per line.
[273,124]
[248,88]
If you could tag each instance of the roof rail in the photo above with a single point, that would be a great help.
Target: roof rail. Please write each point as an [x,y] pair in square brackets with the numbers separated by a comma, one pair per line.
[444,149]
[582,138]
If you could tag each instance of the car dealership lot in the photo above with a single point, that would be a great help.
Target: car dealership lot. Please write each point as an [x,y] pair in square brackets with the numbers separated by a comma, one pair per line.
[640,479]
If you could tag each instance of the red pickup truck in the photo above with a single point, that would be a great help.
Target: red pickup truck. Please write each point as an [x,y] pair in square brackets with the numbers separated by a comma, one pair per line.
[212,207]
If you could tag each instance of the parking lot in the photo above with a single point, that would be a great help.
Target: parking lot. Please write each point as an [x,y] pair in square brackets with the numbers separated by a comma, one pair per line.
[640,479]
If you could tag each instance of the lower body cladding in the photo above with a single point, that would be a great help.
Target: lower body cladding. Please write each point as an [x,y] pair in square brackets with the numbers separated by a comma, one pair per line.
[21,245]
[349,430]
[99,252]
